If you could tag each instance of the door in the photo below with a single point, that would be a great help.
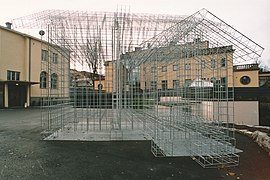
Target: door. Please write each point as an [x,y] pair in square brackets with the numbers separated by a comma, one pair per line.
[16,95]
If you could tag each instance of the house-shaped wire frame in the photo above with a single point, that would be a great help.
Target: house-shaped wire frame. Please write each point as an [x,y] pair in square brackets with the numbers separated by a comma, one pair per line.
[168,79]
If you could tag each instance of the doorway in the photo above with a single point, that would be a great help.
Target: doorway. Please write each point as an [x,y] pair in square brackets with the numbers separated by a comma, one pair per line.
[16,94]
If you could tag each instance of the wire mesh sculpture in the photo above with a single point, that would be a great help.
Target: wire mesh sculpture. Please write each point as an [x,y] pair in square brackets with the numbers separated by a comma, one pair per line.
[168,79]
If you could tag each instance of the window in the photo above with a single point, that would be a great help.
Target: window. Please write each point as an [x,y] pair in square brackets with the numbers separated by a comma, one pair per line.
[223,62]
[175,67]
[144,70]
[17,76]
[164,69]
[164,84]
[187,66]
[213,63]
[13,75]
[44,55]
[197,40]
[54,58]
[223,80]
[245,80]
[43,80]
[54,81]
[100,86]
[213,79]
[176,84]
[187,82]
[153,85]
[203,64]
[264,81]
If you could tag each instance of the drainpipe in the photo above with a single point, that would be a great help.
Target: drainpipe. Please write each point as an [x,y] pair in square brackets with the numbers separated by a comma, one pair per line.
[29,72]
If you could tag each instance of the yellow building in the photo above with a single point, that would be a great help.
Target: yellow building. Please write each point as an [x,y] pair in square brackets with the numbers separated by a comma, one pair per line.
[30,69]
[209,65]
[115,78]
[251,82]
[175,66]
[85,79]
[250,75]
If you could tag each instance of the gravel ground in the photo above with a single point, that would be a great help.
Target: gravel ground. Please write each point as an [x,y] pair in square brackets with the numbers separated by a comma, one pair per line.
[24,156]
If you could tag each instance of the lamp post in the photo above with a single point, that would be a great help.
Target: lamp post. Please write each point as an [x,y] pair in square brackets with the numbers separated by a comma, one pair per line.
[41,33]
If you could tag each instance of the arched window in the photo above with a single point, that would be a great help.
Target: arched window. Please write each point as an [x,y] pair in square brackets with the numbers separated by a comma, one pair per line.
[54,81]
[43,79]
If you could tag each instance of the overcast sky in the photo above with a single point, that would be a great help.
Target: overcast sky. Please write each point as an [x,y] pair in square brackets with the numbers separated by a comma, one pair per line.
[250,17]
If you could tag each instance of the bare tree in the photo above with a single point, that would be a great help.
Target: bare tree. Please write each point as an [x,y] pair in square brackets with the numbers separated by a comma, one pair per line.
[93,55]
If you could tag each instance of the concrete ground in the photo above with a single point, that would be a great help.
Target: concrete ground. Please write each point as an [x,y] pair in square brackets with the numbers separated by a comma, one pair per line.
[24,156]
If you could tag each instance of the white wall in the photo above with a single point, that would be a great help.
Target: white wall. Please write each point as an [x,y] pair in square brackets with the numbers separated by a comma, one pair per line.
[245,112]
[238,112]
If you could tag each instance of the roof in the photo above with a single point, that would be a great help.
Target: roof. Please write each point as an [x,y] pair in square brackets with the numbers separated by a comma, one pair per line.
[31,37]
[19,82]
[204,25]
[21,34]
[201,83]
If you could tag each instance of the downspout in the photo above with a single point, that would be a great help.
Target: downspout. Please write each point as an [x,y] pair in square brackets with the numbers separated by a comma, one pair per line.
[29,71]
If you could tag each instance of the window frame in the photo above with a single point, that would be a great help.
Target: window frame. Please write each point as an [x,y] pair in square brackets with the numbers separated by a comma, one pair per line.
[245,80]
[203,64]
[164,69]
[13,75]
[54,58]
[175,67]
[43,78]
[44,55]
[153,69]
[187,66]
[188,82]
[153,85]
[213,63]
[54,81]
[164,84]
[223,80]
[176,84]
[223,62]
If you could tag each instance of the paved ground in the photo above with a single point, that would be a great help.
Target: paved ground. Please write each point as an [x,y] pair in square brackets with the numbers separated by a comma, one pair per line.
[24,156]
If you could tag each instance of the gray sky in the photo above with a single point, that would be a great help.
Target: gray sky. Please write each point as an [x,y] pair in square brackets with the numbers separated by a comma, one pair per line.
[250,17]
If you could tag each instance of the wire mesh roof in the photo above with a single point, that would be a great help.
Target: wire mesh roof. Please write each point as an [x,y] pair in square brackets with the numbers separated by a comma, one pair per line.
[205,26]
[123,31]
[105,31]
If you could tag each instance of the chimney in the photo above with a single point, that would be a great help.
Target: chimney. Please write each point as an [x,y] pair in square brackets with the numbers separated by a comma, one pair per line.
[8,25]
